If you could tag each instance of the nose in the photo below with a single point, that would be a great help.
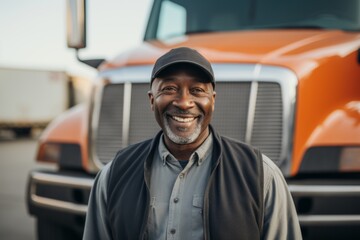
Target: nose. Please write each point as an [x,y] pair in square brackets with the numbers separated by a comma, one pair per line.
[184,100]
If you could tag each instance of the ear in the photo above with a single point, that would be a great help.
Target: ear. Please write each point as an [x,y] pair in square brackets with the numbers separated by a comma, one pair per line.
[151,99]
[213,96]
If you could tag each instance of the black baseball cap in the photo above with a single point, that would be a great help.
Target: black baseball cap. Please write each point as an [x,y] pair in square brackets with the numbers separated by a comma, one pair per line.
[183,55]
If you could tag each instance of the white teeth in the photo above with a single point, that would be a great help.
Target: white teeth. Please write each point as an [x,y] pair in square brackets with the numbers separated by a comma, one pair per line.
[184,120]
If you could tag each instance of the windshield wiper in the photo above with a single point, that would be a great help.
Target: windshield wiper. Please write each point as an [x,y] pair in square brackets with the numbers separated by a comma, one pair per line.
[260,27]
[198,31]
[292,27]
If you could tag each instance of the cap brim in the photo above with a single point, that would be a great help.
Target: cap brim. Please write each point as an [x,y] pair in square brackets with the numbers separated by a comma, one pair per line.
[155,74]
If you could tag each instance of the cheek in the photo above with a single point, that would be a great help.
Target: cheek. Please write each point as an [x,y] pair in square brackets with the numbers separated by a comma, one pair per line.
[161,102]
[157,104]
[207,104]
[157,114]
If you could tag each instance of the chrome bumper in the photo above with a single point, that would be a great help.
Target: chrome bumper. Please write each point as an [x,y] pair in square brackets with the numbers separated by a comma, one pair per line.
[71,183]
[326,193]
[298,191]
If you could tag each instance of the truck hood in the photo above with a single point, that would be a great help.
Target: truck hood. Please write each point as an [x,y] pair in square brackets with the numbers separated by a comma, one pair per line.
[285,48]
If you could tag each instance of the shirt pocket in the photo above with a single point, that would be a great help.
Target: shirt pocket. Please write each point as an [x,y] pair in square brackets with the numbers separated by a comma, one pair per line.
[197,217]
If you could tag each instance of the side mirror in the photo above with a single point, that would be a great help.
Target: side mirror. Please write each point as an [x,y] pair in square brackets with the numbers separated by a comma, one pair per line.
[76,23]
[76,29]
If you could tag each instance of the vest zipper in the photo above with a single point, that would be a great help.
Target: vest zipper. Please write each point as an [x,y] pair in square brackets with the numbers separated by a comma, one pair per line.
[144,223]
[206,203]
[143,227]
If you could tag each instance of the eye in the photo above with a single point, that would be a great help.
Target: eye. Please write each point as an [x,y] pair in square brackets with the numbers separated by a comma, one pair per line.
[168,89]
[197,90]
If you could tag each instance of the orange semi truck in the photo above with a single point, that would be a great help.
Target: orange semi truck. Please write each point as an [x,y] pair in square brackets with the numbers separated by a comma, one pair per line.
[288,82]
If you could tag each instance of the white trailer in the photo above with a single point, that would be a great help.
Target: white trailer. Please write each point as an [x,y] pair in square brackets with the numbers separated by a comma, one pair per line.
[32,98]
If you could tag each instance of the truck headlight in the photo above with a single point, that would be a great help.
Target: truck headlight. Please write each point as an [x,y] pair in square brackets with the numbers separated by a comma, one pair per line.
[67,155]
[49,152]
[349,159]
[331,159]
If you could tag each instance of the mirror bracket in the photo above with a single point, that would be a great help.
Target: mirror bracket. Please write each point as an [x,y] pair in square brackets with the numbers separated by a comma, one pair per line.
[95,63]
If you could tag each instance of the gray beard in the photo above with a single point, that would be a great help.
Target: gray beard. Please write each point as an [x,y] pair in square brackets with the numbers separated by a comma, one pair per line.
[181,140]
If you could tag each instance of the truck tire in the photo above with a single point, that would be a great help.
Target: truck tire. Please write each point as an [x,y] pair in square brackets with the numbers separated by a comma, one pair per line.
[47,229]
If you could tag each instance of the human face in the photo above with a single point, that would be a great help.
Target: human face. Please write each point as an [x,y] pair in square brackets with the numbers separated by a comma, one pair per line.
[183,103]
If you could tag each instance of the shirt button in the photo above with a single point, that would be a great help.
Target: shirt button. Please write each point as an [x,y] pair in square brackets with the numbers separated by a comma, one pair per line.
[181,175]
[173,231]
[176,200]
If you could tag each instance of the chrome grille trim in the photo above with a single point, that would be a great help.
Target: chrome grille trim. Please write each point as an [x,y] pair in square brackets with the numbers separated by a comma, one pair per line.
[288,82]
[143,124]
[98,97]
[252,105]
[251,73]
[267,124]
[251,111]
[227,122]
[126,114]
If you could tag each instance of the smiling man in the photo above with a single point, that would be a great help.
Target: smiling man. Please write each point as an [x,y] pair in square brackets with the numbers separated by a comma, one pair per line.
[189,182]
[183,101]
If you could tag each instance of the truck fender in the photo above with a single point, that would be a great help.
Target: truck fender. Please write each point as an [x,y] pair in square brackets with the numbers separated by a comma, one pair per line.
[341,127]
[72,127]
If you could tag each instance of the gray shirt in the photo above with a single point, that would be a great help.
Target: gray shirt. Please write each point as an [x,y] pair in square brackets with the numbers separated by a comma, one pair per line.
[180,188]
[177,194]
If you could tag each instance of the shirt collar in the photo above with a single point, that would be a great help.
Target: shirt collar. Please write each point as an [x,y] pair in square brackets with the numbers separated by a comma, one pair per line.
[200,154]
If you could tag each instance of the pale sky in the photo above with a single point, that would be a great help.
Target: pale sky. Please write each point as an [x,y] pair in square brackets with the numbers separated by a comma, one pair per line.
[32,32]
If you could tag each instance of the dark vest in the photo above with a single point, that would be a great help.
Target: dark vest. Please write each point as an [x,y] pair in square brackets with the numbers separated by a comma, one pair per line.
[233,201]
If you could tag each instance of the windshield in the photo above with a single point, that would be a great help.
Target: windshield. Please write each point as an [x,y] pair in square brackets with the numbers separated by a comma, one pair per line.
[174,18]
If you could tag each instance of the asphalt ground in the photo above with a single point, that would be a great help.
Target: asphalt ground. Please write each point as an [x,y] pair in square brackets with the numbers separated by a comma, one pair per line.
[16,160]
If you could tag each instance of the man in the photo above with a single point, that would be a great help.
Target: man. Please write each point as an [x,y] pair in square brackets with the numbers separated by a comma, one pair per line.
[188,182]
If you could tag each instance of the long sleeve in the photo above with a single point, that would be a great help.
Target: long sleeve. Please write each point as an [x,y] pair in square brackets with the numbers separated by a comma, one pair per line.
[97,222]
[280,217]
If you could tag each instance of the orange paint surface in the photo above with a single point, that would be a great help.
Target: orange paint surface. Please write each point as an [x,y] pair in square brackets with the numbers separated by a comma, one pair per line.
[325,63]
[71,127]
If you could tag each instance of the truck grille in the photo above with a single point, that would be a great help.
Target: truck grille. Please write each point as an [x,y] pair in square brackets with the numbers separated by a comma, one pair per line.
[267,130]
[109,133]
[230,117]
